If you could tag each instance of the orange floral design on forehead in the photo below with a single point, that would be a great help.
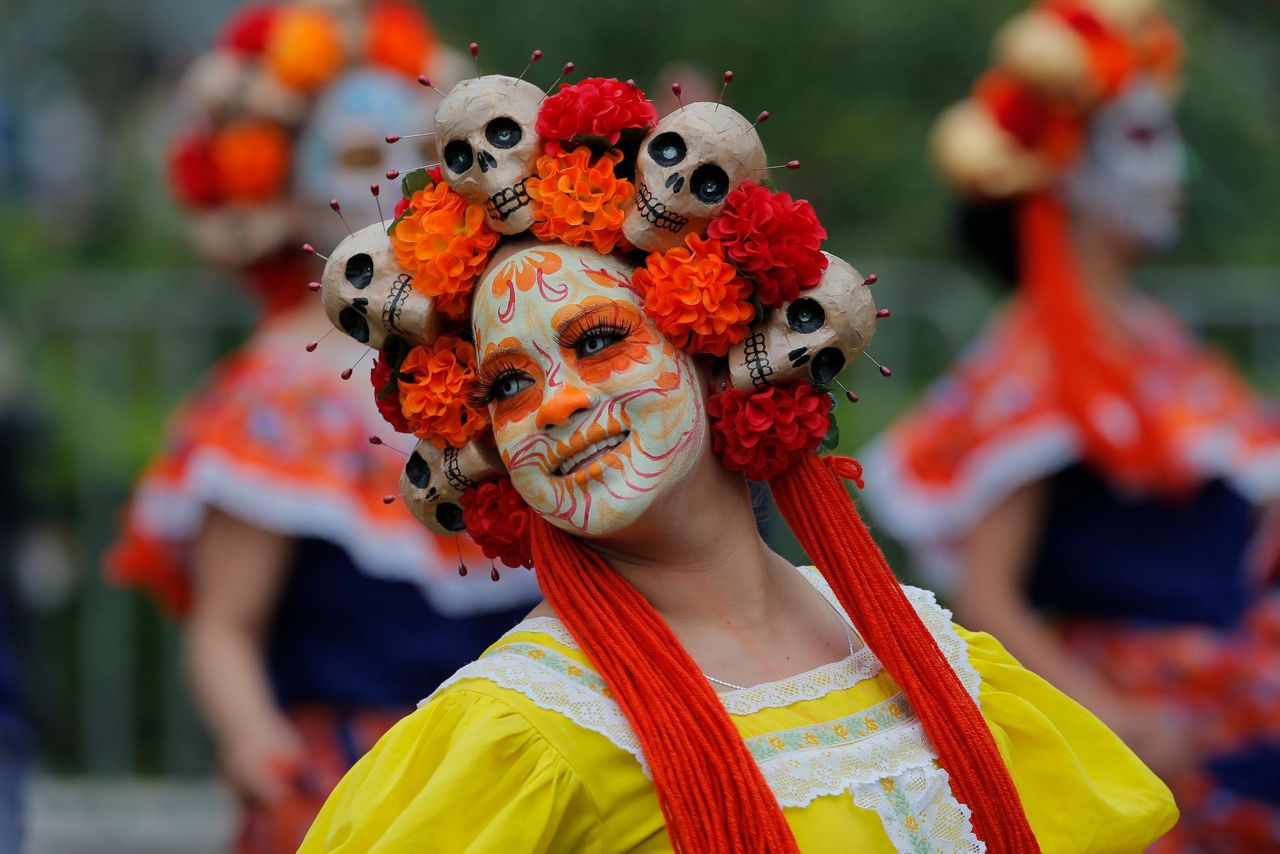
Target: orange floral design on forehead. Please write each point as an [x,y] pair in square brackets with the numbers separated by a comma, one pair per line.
[520,273]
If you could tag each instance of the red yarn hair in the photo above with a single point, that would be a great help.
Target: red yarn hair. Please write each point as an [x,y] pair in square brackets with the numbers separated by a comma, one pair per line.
[713,796]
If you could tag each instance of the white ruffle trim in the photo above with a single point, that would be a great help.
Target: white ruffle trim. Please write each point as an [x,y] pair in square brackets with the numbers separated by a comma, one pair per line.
[398,553]
[916,800]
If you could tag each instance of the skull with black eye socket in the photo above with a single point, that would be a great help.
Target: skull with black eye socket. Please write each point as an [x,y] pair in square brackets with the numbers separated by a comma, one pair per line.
[485,129]
[813,337]
[434,479]
[370,297]
[686,167]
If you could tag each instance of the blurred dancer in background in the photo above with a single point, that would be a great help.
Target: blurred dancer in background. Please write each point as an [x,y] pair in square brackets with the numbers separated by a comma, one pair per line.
[316,613]
[1097,488]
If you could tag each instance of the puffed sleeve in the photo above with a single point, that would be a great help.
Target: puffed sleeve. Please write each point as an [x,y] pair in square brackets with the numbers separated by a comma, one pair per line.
[1082,788]
[466,772]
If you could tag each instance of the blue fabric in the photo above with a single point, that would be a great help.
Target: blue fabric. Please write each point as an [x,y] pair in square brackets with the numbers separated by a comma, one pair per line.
[1104,554]
[1251,772]
[346,640]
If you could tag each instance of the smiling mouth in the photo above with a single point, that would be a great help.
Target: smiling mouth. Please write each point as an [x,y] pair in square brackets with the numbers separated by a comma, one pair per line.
[656,213]
[592,453]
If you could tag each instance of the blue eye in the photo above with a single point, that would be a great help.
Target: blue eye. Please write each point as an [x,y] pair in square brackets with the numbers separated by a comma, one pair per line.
[509,385]
[596,343]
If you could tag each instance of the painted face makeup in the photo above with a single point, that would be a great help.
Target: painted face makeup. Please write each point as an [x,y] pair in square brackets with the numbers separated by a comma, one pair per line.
[596,415]
[1131,178]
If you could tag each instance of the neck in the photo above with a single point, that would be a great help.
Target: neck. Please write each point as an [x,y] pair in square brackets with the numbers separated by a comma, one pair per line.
[1104,266]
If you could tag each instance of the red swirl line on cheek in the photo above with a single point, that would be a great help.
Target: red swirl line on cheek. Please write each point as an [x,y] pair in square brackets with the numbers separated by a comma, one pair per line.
[553,367]
[534,450]
[550,292]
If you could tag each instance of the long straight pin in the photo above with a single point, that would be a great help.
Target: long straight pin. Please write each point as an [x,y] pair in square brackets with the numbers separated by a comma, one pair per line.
[462,567]
[790,164]
[393,138]
[761,119]
[728,78]
[851,396]
[311,250]
[425,81]
[337,208]
[376,192]
[474,47]
[346,375]
[393,174]
[533,57]
[884,371]
[870,279]
[675,90]
[311,348]
[564,72]
[375,439]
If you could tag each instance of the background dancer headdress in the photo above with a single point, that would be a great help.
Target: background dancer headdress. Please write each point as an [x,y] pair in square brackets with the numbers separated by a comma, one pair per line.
[734,273]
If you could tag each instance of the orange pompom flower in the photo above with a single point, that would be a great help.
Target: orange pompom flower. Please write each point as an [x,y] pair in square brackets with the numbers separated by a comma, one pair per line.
[434,380]
[251,159]
[445,241]
[304,48]
[399,38]
[579,202]
[696,297]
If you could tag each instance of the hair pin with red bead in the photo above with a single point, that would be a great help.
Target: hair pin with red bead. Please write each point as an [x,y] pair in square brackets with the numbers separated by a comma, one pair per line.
[676,90]
[393,174]
[564,72]
[870,279]
[375,439]
[376,192]
[474,47]
[534,58]
[884,370]
[425,82]
[852,397]
[311,250]
[728,78]
[311,347]
[790,164]
[393,138]
[346,375]
[337,208]
[761,119]
[882,314]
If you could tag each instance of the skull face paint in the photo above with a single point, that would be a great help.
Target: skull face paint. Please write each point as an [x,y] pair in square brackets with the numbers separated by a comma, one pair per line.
[596,415]
[1130,181]
[343,149]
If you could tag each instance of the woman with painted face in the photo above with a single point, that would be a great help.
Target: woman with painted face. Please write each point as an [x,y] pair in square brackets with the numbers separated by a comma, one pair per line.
[595,413]
[315,613]
[1091,483]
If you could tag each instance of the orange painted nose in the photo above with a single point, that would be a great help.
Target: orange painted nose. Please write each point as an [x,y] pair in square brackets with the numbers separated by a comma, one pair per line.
[562,406]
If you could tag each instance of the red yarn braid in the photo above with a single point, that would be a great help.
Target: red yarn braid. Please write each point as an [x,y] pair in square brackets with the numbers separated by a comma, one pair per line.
[713,797]
[819,512]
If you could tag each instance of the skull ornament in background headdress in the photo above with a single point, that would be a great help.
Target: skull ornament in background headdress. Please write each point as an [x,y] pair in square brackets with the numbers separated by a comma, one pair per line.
[687,166]
[435,478]
[485,131]
[812,337]
[370,297]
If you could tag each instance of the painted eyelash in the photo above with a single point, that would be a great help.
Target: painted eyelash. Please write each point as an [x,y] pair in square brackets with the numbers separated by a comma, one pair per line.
[613,322]
[480,389]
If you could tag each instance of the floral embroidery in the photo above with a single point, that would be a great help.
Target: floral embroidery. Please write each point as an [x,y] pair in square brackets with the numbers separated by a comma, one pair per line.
[856,726]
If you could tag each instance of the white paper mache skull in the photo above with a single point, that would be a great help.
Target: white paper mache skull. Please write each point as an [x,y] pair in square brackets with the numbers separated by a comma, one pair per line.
[691,160]
[225,83]
[434,479]
[812,337]
[370,297]
[488,146]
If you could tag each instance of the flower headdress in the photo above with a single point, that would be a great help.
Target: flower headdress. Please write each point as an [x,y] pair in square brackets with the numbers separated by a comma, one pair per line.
[1017,134]
[230,167]
[729,269]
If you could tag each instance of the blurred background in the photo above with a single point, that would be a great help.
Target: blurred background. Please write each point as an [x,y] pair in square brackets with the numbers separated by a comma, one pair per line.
[106,318]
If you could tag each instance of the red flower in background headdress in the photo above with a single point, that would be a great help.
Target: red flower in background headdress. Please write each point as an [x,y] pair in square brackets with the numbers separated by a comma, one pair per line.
[249,28]
[695,297]
[775,240]
[399,38]
[760,434]
[192,172]
[596,106]
[251,160]
[499,522]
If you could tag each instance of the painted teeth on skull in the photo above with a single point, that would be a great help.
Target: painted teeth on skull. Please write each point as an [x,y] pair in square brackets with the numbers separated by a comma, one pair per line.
[508,200]
[395,301]
[656,213]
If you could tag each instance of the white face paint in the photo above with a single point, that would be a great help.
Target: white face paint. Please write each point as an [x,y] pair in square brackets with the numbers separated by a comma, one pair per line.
[343,149]
[1131,179]
[596,415]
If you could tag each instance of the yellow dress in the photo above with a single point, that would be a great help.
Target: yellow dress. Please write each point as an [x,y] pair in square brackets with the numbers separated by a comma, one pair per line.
[524,750]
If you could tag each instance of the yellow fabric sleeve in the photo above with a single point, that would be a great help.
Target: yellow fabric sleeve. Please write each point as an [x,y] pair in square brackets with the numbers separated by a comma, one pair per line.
[464,773]
[1082,788]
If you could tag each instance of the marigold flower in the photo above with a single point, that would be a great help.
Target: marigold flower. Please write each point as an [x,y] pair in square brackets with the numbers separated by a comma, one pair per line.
[775,240]
[762,433]
[251,159]
[304,48]
[499,521]
[399,38]
[445,241]
[695,297]
[596,106]
[579,202]
[434,380]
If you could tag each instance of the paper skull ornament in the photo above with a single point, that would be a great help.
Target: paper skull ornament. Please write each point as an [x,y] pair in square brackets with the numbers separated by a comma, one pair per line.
[434,479]
[225,83]
[485,130]
[370,297]
[686,167]
[238,234]
[812,337]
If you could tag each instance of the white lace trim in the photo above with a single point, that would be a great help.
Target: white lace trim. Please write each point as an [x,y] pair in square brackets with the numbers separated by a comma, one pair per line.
[549,626]
[810,685]
[918,811]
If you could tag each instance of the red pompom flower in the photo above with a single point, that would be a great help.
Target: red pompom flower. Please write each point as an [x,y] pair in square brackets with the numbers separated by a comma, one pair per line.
[597,106]
[499,521]
[192,172]
[386,391]
[762,433]
[772,238]
[248,29]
